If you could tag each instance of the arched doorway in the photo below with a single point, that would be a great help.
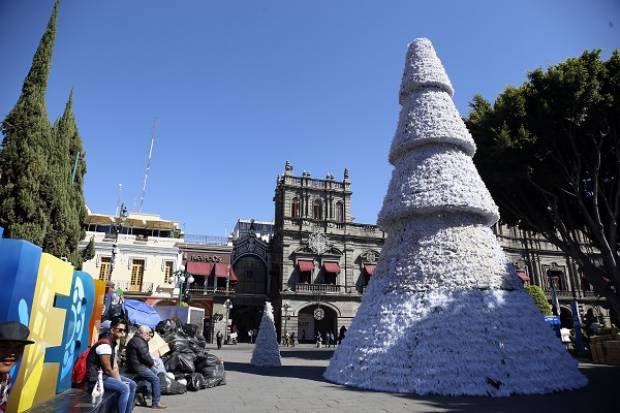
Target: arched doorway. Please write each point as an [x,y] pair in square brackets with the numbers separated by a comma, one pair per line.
[308,326]
[245,318]
[566,318]
[250,293]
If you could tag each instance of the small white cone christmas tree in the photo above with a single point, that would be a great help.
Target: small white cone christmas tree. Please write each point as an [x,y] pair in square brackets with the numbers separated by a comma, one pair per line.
[266,352]
[444,312]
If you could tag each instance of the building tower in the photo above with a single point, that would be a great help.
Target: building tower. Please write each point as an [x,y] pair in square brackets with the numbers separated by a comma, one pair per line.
[444,312]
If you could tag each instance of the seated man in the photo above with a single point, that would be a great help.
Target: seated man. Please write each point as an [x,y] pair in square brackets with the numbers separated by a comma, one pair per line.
[102,356]
[13,339]
[139,361]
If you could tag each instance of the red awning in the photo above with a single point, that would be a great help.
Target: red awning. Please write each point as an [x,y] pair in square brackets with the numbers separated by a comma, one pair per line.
[523,275]
[199,268]
[221,270]
[332,267]
[232,275]
[305,265]
[370,269]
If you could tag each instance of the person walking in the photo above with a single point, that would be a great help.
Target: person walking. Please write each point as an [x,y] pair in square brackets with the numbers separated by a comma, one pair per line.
[218,338]
[102,356]
[13,340]
[250,334]
[139,361]
[293,338]
[343,331]
[318,339]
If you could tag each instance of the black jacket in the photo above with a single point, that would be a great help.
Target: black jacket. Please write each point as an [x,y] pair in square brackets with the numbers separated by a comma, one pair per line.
[93,362]
[138,355]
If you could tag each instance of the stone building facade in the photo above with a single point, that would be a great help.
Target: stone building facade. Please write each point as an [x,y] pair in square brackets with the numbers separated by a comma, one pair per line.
[539,262]
[321,261]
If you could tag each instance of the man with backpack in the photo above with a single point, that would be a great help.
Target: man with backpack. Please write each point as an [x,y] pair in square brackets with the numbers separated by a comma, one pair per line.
[102,356]
[139,361]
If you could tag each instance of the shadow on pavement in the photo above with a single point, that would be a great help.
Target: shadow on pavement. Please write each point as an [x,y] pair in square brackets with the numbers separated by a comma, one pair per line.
[307,354]
[600,395]
[299,372]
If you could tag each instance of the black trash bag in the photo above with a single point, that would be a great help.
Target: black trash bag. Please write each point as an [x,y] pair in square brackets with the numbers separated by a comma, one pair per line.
[180,362]
[214,371]
[180,343]
[195,381]
[166,327]
[208,372]
[186,362]
[169,386]
[171,362]
[190,330]
[213,382]
[200,362]
[213,360]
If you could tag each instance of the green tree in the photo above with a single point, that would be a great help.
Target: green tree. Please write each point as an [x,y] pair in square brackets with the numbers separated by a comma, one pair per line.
[88,253]
[539,298]
[548,152]
[64,189]
[57,185]
[77,201]
[23,158]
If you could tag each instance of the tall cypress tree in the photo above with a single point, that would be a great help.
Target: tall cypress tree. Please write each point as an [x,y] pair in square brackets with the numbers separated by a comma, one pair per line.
[56,191]
[77,204]
[23,159]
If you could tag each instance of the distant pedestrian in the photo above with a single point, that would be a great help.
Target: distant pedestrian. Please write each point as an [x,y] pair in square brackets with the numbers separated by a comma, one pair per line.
[303,336]
[250,334]
[343,331]
[218,338]
[293,338]
[318,339]
[329,339]
[287,339]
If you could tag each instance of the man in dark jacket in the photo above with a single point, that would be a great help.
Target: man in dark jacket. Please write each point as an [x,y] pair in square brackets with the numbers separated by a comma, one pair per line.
[102,356]
[139,361]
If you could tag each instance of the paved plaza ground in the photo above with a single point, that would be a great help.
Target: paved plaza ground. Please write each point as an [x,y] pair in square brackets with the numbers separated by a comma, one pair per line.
[298,386]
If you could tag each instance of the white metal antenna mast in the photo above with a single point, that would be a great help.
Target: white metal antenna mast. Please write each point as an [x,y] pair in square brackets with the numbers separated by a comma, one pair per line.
[147,168]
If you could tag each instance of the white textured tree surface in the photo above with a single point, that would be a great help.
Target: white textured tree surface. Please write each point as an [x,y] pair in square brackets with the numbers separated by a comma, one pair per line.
[266,352]
[444,312]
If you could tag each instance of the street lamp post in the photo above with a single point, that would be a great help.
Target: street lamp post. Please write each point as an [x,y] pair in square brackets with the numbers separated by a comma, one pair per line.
[179,278]
[117,227]
[285,306]
[227,306]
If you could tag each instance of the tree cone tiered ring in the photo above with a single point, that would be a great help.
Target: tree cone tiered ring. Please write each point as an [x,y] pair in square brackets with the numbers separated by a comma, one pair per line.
[444,312]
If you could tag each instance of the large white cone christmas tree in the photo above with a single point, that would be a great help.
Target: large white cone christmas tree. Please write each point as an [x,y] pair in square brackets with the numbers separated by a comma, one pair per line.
[445,312]
[266,352]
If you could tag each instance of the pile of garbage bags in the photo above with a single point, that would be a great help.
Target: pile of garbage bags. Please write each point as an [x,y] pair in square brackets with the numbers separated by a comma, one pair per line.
[190,362]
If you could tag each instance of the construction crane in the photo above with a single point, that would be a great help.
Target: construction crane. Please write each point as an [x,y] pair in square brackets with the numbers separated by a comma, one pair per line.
[147,168]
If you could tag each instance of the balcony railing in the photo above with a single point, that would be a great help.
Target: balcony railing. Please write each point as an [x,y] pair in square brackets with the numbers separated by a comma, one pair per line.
[127,286]
[202,239]
[560,293]
[318,288]
[211,291]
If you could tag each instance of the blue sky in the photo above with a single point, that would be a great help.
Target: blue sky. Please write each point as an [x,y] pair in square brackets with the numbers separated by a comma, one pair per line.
[239,87]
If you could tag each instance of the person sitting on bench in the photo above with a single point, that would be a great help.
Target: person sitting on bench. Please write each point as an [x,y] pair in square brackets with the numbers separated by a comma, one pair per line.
[102,356]
[139,361]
